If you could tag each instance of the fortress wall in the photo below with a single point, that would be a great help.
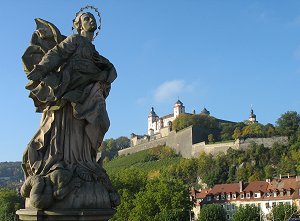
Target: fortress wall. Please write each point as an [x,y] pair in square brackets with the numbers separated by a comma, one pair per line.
[213,149]
[181,141]
[267,142]
[143,146]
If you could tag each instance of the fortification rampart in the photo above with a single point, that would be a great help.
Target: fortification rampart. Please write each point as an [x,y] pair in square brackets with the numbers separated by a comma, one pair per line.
[186,142]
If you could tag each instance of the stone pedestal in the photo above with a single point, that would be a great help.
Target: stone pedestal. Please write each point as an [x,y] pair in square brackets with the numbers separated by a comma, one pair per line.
[65,215]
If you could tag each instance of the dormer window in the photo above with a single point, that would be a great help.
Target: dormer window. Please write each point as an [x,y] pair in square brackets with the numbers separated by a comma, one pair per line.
[217,197]
[248,195]
[208,198]
[256,195]
[222,196]
[242,195]
[234,196]
[275,194]
[288,192]
[228,196]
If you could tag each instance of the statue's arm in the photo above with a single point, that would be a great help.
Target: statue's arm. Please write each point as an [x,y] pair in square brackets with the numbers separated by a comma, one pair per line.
[54,58]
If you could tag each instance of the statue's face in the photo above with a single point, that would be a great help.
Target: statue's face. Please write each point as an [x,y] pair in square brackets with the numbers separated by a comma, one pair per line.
[88,23]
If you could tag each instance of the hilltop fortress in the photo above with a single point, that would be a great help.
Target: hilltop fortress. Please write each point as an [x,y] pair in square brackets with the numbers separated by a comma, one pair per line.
[187,142]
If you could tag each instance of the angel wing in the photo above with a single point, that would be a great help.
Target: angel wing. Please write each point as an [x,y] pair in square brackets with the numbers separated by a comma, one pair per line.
[45,37]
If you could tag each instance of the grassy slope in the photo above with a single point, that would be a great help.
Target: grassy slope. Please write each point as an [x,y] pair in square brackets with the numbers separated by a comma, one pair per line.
[142,160]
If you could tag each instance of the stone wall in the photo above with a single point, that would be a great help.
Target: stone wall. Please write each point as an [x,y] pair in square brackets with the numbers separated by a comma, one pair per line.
[186,142]
[213,149]
[143,146]
[267,142]
[181,141]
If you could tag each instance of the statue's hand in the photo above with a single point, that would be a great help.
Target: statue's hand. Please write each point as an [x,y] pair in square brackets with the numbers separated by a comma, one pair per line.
[36,74]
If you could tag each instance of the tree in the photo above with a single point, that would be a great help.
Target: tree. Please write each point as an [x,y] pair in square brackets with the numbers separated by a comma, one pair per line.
[211,138]
[10,202]
[237,133]
[212,212]
[206,124]
[247,213]
[282,212]
[163,199]
[110,147]
[288,123]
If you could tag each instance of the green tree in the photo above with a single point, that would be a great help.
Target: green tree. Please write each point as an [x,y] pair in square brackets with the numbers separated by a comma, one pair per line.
[211,138]
[10,202]
[288,123]
[212,212]
[227,130]
[237,133]
[110,147]
[206,124]
[247,213]
[282,212]
[163,199]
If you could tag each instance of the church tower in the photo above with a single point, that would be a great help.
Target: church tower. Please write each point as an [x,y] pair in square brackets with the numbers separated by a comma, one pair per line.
[178,108]
[252,117]
[152,121]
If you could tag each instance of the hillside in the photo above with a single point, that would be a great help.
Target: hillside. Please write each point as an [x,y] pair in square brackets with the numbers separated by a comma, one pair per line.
[10,174]
[148,160]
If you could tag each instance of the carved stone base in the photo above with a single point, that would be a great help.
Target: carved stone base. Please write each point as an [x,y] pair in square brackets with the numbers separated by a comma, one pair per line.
[65,215]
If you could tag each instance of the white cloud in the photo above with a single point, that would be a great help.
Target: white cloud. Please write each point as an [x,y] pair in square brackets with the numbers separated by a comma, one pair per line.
[170,89]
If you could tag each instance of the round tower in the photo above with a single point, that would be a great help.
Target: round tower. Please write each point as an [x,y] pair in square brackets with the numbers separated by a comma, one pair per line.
[252,116]
[152,118]
[178,108]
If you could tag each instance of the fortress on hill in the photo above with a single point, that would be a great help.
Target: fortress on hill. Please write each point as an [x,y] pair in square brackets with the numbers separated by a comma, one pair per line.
[187,142]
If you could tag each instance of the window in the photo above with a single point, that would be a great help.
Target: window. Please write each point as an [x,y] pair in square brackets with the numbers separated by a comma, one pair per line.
[281,193]
[275,194]
[222,196]
[228,196]
[247,195]
[273,204]
[288,192]
[256,195]
[268,194]
[209,198]
[217,197]
[227,217]
[242,196]
[267,205]
[232,206]
[227,207]
[234,196]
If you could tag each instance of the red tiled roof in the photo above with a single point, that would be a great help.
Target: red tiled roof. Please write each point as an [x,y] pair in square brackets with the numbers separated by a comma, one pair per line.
[283,184]
[225,188]
[256,186]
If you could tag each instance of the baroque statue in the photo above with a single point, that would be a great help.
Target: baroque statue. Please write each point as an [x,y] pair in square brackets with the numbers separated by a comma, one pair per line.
[68,83]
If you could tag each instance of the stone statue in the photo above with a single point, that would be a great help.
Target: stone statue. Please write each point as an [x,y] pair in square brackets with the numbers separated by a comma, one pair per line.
[69,82]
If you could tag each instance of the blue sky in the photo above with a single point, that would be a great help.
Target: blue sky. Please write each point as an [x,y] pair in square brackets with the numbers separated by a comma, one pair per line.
[222,55]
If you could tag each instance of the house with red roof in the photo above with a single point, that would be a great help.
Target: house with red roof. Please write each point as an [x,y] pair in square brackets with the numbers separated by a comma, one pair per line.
[263,194]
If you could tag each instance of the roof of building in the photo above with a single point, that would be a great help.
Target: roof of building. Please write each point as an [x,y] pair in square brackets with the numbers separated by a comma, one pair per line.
[256,186]
[178,102]
[283,184]
[205,111]
[225,188]
[152,113]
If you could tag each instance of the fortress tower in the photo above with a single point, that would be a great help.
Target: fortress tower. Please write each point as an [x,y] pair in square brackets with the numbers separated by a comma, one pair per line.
[178,108]
[252,117]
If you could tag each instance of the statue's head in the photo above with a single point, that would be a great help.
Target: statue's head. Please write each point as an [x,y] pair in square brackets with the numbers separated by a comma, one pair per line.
[85,22]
